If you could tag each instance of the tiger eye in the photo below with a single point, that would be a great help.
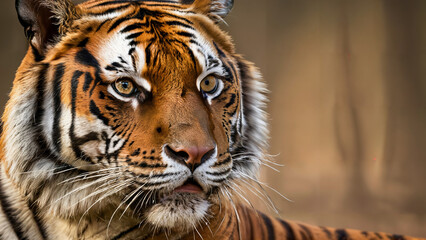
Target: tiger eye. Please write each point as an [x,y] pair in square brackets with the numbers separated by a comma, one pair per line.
[124,87]
[209,84]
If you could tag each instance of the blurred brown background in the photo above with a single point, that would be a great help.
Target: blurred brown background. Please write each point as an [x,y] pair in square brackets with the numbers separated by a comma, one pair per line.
[348,105]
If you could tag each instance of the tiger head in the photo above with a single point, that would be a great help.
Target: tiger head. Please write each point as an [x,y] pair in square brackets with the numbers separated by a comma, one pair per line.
[132,105]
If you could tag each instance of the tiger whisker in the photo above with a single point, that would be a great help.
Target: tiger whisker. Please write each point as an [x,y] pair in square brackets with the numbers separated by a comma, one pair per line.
[117,187]
[235,210]
[128,197]
[264,194]
[89,174]
[121,203]
[240,194]
[136,197]
[84,178]
[266,185]
[84,187]
[264,159]
[217,229]
[99,189]
[265,164]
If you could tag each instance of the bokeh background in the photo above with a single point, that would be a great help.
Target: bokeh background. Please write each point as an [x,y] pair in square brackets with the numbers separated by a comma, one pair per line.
[347,105]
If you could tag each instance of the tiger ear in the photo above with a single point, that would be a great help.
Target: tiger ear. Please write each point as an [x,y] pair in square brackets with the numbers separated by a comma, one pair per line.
[215,9]
[44,21]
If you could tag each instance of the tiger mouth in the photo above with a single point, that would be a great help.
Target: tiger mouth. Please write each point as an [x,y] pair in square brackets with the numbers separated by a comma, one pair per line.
[190,186]
[189,191]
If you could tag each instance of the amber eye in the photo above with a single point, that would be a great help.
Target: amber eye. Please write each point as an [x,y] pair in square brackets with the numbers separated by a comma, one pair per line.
[209,84]
[124,87]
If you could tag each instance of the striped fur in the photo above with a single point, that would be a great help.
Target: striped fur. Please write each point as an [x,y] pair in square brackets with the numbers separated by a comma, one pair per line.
[82,160]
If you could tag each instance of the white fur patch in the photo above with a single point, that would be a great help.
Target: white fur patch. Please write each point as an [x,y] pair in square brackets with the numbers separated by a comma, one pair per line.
[183,211]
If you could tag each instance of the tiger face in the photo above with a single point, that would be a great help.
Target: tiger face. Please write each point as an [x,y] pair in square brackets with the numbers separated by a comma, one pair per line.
[144,103]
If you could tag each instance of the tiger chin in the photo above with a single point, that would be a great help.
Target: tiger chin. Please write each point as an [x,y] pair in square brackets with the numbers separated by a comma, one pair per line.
[136,119]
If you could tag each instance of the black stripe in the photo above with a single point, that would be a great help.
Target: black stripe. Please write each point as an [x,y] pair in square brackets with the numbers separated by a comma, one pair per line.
[177,23]
[132,27]
[88,79]
[152,176]
[124,233]
[269,227]
[327,232]
[146,165]
[134,35]
[86,58]
[398,237]
[74,140]
[37,56]
[57,103]
[102,24]
[39,137]
[83,43]
[219,173]
[11,214]
[35,212]
[117,23]
[148,53]
[194,61]
[307,231]
[341,234]
[40,96]
[185,34]
[232,101]
[378,235]
[95,111]
[221,53]
[304,235]
[288,229]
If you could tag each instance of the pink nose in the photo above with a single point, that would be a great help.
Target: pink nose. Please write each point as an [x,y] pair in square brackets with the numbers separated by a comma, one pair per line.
[192,156]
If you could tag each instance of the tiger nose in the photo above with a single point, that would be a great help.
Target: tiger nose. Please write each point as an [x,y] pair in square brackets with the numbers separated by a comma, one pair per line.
[192,156]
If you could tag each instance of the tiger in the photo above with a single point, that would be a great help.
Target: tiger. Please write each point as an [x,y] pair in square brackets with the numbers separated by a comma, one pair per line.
[136,119]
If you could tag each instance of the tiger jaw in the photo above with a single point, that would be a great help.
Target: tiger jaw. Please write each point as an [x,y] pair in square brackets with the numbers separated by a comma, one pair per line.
[178,211]
[181,209]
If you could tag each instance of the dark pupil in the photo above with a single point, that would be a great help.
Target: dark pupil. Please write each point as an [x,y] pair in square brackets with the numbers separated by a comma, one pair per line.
[207,82]
[125,85]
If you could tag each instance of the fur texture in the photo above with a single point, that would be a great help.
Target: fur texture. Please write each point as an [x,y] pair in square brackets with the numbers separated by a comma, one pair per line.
[136,120]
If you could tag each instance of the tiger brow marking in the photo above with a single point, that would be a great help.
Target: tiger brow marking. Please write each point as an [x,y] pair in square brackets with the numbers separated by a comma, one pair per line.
[116,2]
[178,23]
[111,10]
[86,58]
[134,35]
[102,24]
